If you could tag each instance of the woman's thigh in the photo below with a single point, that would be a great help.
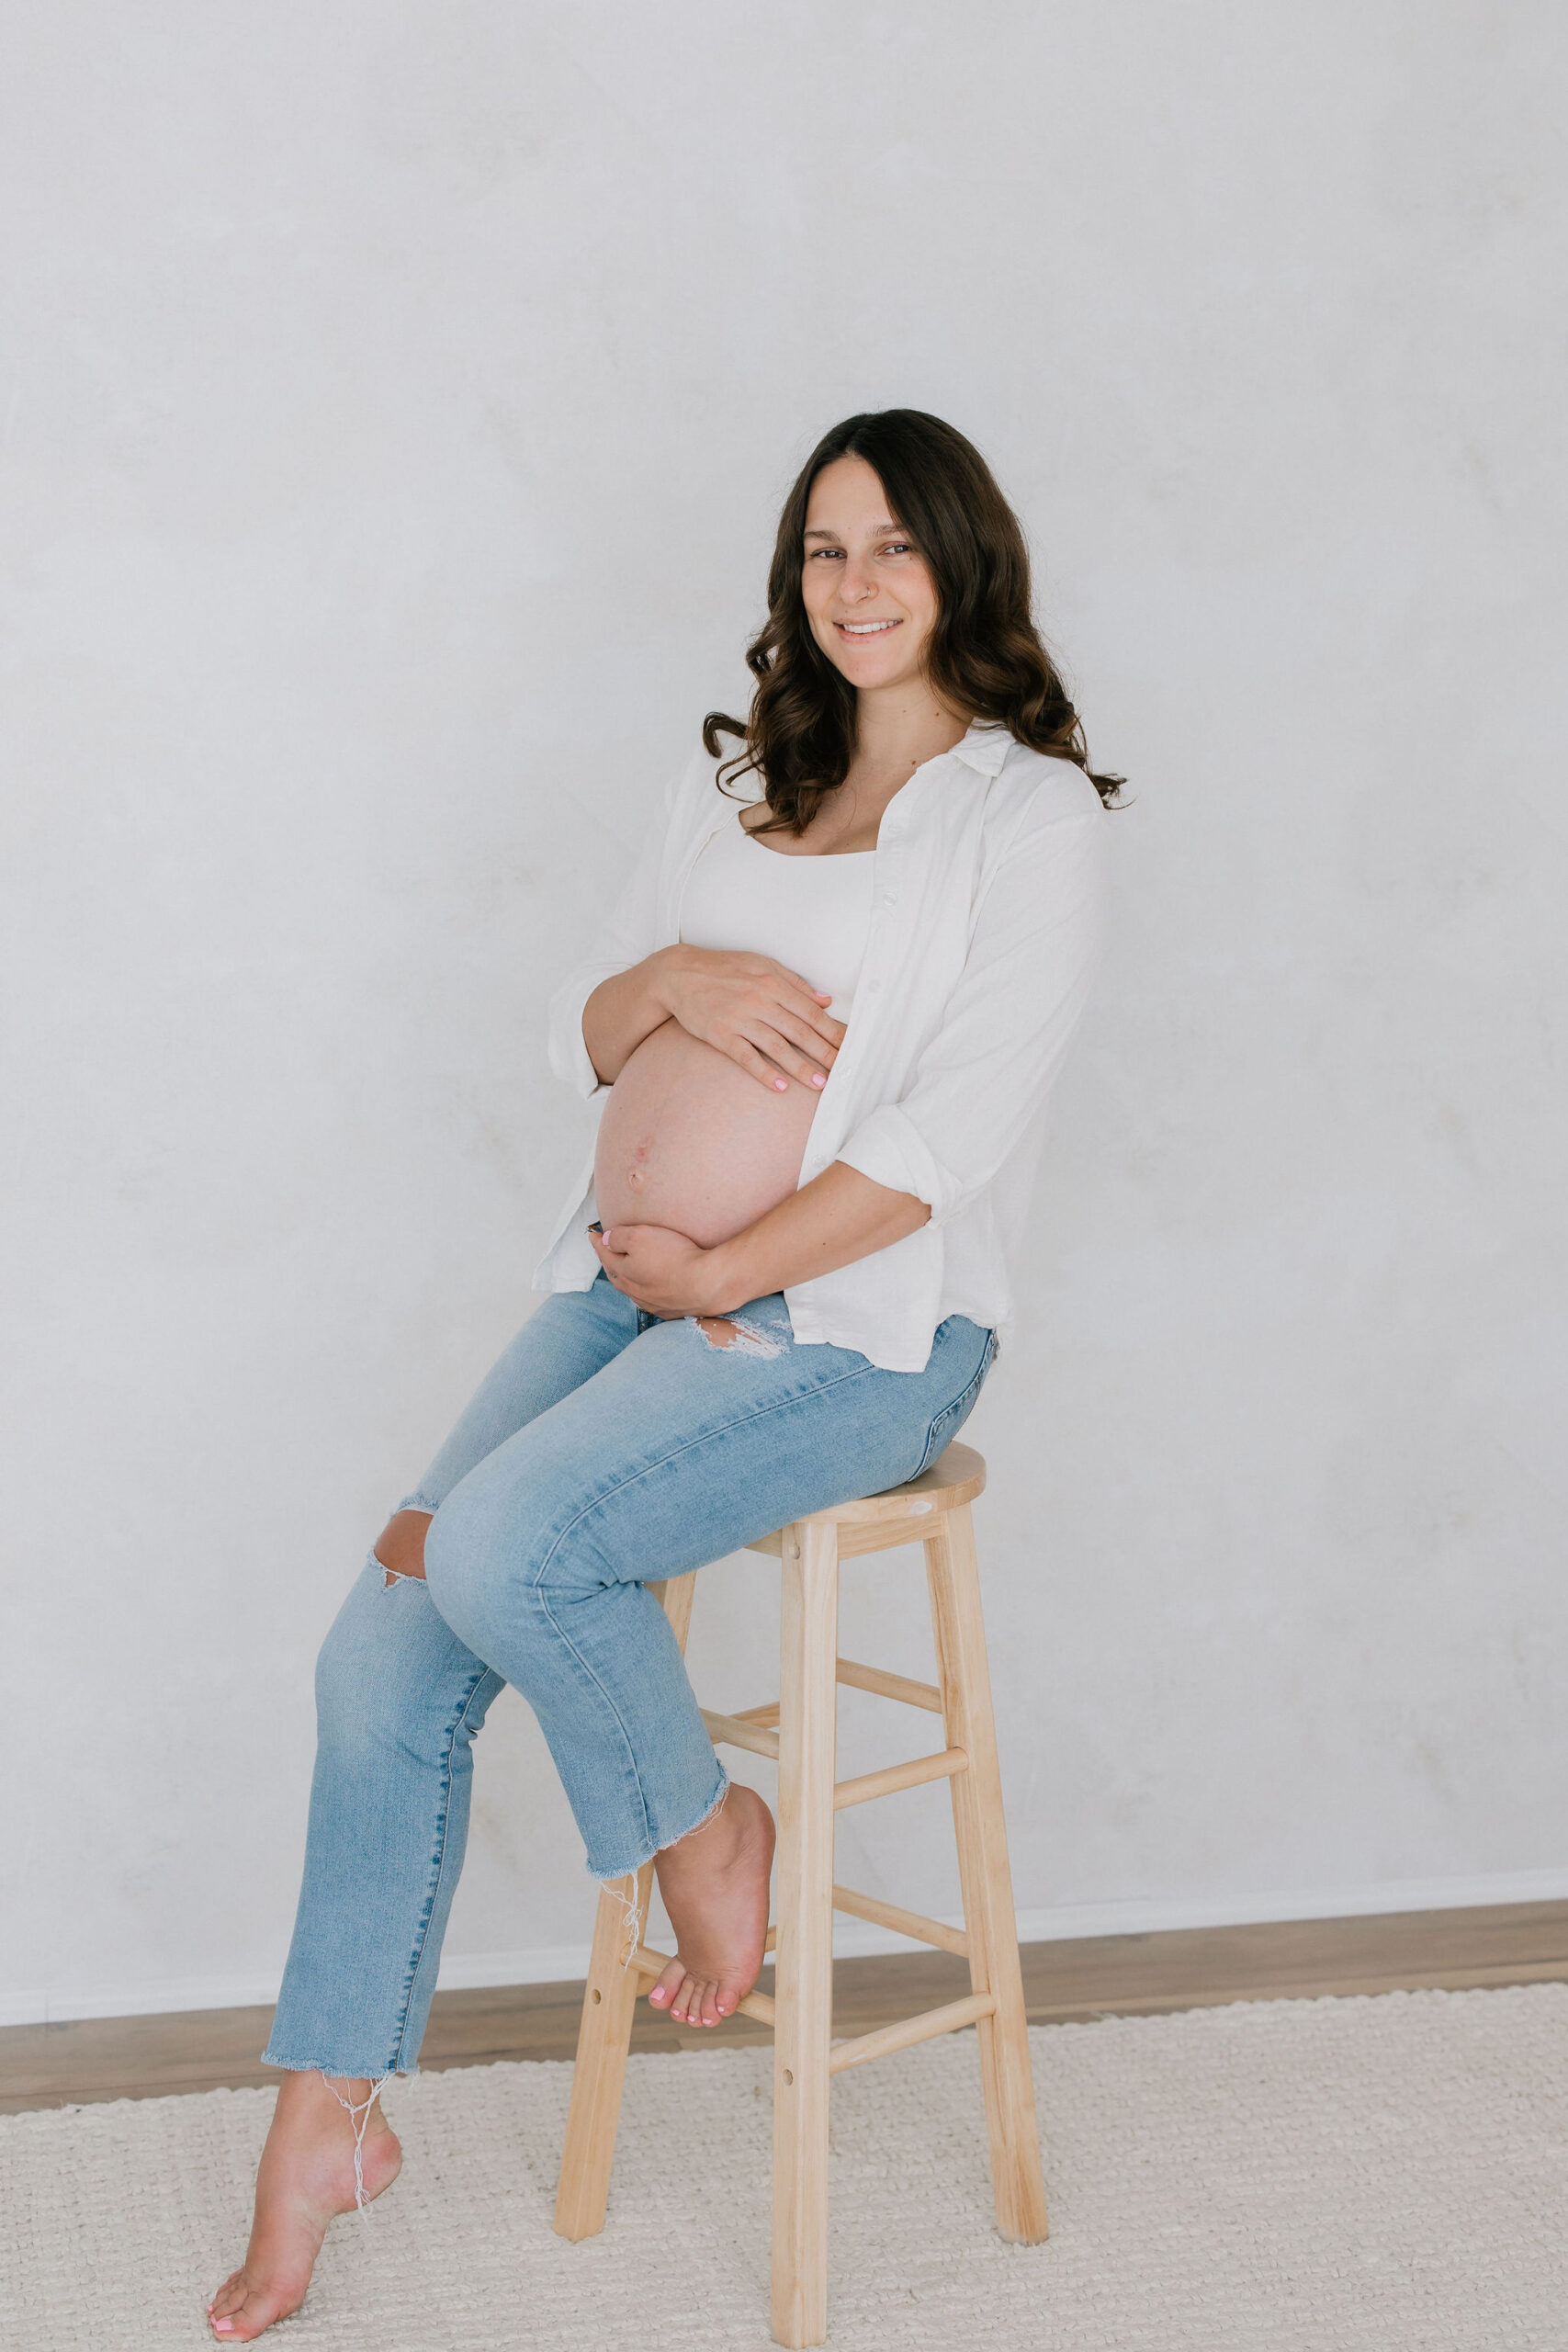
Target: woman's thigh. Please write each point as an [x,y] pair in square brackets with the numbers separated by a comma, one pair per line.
[566,1341]
[679,1449]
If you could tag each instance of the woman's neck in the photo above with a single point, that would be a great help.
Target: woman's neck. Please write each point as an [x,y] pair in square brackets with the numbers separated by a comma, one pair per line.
[898,730]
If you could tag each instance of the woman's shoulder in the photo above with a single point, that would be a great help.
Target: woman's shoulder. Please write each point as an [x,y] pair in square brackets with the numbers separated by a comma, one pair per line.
[1039,789]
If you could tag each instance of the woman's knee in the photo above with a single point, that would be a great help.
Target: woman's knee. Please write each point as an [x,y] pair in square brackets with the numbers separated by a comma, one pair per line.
[495,1579]
[399,1547]
[463,1564]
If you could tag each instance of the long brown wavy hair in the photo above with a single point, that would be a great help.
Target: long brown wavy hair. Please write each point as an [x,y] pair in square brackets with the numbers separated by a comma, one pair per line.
[984,656]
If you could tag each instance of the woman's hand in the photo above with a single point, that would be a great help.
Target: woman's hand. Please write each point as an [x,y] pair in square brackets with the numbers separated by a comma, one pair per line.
[838,1218]
[657,1268]
[757,1012]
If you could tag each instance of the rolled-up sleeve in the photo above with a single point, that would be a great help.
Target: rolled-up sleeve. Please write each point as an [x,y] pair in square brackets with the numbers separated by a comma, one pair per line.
[630,932]
[984,1077]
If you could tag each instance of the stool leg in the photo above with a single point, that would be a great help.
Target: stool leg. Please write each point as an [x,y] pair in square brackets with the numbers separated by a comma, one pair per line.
[989,1919]
[803,2018]
[603,2038]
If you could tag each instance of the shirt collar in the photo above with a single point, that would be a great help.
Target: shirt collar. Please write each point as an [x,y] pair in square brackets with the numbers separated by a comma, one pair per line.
[984,747]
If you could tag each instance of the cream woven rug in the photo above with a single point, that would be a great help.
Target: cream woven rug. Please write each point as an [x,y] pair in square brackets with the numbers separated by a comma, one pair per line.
[1385,2173]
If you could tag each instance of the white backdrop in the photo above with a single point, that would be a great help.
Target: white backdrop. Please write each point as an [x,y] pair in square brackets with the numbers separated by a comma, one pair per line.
[398,407]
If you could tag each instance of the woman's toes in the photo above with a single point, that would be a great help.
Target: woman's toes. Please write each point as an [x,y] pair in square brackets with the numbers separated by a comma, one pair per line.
[663,1993]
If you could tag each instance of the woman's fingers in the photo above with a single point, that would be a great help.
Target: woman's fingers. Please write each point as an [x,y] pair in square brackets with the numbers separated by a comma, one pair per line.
[741,1049]
[777,1047]
[807,988]
[823,1051]
[808,1005]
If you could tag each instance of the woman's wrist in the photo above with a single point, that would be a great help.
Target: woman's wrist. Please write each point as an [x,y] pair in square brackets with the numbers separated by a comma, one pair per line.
[658,971]
[724,1283]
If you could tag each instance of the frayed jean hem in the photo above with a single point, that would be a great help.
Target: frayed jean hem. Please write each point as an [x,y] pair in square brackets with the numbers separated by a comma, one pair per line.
[351,2073]
[622,1884]
[699,1820]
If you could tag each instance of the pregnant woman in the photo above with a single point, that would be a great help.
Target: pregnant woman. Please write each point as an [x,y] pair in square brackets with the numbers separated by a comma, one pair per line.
[823,1021]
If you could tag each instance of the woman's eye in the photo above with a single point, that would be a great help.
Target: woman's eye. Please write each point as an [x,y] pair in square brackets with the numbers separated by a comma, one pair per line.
[832,553]
[899,547]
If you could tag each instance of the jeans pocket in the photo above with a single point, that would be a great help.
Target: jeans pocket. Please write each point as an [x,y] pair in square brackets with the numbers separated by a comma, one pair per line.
[948,1422]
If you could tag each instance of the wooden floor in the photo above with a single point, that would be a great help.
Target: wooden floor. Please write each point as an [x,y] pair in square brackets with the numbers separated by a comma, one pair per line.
[1525,1943]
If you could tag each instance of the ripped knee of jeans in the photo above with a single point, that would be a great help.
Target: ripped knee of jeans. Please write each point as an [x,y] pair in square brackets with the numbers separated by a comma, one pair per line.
[400,1548]
[736,1331]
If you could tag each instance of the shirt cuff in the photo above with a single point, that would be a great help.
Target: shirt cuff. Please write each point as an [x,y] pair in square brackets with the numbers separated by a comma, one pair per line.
[891,1150]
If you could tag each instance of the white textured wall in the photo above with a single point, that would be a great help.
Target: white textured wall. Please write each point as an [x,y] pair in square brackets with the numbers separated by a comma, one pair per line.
[398,402]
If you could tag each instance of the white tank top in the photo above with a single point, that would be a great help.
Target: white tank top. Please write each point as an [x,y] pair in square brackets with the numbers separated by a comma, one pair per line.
[810,913]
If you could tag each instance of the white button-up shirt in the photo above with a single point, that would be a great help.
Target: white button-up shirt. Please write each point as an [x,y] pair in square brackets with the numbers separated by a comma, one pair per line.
[984,924]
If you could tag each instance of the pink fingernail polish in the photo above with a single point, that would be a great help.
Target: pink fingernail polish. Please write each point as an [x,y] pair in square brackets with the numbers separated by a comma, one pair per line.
[818,1078]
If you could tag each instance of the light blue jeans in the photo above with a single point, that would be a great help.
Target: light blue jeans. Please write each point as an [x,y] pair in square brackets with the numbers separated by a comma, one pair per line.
[605,1448]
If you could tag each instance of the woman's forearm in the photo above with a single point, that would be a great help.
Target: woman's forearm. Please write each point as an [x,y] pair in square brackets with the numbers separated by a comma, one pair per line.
[841,1216]
[622,1012]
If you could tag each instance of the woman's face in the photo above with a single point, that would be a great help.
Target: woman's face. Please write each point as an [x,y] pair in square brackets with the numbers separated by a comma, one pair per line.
[869,598]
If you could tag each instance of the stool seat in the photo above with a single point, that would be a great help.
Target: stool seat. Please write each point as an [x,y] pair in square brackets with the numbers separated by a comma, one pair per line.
[877,1522]
[798,1731]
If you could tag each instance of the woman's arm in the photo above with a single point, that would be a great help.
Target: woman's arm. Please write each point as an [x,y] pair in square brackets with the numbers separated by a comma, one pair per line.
[981,1083]
[841,1216]
[620,1014]
[757,1012]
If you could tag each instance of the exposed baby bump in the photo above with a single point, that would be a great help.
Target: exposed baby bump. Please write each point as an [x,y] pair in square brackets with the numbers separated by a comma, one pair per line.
[689,1140]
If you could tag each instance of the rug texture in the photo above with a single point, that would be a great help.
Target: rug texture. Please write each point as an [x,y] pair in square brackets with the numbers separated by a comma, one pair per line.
[1379,2173]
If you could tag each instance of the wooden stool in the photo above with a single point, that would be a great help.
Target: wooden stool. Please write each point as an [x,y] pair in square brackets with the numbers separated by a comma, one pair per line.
[933,1509]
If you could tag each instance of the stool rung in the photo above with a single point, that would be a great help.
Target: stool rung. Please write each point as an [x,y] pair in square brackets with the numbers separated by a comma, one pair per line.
[734,1731]
[891,1685]
[894,1777]
[767,1716]
[908,2030]
[654,1964]
[914,1924]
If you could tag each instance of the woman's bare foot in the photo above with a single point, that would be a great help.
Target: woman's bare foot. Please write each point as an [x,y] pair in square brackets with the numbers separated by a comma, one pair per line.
[715,1884]
[305,2177]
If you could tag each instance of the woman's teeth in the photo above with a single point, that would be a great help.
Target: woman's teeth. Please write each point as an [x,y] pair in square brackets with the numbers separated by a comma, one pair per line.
[865,629]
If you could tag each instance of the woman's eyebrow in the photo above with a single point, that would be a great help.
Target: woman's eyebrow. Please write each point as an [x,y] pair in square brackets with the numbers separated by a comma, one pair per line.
[877,531]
